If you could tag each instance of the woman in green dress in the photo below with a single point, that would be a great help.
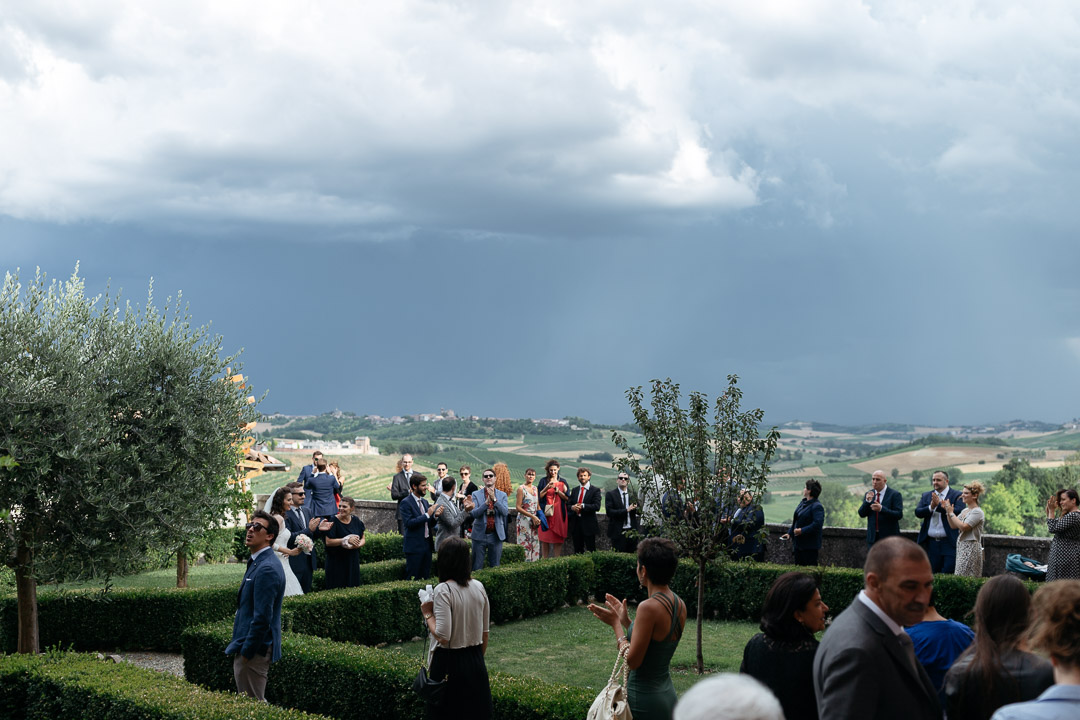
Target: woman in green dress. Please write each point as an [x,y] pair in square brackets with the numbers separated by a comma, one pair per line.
[654,634]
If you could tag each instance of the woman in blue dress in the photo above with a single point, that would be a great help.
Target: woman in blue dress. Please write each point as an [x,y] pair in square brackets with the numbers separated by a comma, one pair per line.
[654,634]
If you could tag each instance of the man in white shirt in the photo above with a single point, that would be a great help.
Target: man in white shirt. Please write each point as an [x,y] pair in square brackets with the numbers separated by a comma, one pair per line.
[621,509]
[936,536]
[865,665]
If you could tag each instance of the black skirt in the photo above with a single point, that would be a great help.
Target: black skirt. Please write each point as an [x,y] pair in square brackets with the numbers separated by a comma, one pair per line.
[468,693]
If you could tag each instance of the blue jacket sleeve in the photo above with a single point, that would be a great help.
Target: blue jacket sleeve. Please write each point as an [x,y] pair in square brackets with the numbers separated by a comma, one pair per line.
[265,591]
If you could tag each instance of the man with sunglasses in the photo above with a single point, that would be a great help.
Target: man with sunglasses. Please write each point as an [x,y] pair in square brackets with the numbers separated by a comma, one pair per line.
[256,639]
[489,509]
[300,521]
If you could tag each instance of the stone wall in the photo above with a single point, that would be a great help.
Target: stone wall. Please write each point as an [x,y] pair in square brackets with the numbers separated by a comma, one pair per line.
[842,547]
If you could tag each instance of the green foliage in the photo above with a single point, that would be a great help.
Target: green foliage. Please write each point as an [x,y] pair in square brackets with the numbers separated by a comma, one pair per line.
[144,619]
[373,614]
[74,686]
[1017,494]
[124,426]
[364,678]
[841,507]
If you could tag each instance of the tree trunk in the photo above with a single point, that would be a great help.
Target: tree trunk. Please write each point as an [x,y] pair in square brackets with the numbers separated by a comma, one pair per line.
[26,590]
[181,567]
[700,613]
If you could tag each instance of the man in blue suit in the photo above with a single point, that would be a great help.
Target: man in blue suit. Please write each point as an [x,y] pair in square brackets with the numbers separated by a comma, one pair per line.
[744,527]
[308,471]
[256,640]
[320,488]
[418,526]
[882,507]
[300,521]
[489,508]
[936,536]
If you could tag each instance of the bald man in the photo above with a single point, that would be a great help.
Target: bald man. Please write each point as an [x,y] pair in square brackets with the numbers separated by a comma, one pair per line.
[882,507]
[865,665]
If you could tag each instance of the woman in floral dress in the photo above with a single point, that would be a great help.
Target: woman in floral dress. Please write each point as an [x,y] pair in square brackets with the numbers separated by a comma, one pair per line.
[528,522]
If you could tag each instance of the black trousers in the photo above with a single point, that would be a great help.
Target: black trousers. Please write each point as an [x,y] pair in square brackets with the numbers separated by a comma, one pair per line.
[468,692]
[582,542]
[805,557]
[621,543]
[418,565]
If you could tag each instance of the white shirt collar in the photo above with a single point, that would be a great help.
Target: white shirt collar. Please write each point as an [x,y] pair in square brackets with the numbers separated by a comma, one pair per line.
[260,552]
[896,629]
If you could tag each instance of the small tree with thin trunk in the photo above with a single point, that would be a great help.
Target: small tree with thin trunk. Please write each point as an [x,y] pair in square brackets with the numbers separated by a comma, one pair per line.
[695,467]
[122,426]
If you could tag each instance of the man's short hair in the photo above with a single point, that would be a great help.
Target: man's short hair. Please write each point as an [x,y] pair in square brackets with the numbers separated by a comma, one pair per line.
[942,472]
[317,453]
[272,527]
[416,479]
[441,464]
[448,483]
[295,485]
[744,698]
[814,487]
[884,553]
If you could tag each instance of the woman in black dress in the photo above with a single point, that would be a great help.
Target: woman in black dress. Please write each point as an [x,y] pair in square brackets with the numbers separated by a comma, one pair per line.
[1064,559]
[781,656]
[344,537]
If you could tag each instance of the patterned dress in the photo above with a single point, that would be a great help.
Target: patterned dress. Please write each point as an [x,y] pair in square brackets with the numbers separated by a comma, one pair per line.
[1064,560]
[969,551]
[528,536]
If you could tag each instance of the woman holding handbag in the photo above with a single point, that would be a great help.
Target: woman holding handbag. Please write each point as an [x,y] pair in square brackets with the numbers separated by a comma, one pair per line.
[458,617]
[553,504]
[654,634]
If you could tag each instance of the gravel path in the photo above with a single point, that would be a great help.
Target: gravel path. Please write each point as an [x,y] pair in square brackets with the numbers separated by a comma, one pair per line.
[172,663]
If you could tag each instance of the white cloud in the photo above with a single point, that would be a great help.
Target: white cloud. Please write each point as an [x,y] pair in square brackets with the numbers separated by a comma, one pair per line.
[483,118]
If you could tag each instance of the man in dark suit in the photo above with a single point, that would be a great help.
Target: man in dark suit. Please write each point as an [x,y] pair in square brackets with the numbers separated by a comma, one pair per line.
[622,514]
[936,536]
[806,525]
[320,488]
[300,521]
[399,487]
[584,504]
[256,639]
[418,522]
[308,471]
[488,508]
[882,507]
[865,665]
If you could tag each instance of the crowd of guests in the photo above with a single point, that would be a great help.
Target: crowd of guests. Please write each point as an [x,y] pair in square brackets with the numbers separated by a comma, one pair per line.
[890,654]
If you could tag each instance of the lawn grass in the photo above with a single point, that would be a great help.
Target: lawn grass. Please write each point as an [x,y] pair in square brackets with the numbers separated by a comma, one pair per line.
[198,576]
[572,647]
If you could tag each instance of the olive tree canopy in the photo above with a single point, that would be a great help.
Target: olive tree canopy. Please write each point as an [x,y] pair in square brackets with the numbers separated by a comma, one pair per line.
[123,424]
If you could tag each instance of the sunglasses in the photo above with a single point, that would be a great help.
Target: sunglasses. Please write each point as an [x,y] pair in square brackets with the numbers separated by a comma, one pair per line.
[256,526]
[488,477]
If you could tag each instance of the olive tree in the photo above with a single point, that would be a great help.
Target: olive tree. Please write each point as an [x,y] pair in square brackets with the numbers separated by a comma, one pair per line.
[697,462]
[122,425]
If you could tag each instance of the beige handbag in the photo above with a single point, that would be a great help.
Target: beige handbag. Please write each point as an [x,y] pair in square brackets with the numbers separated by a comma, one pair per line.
[612,703]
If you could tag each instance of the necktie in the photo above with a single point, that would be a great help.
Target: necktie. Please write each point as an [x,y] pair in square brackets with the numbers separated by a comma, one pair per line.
[909,650]
[581,498]
[626,505]
[877,518]
[420,504]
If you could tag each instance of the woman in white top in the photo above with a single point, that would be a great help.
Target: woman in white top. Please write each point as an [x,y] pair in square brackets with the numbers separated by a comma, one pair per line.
[969,555]
[458,620]
[279,504]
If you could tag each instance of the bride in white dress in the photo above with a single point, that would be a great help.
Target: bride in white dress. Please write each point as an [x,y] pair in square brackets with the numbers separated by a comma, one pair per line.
[277,505]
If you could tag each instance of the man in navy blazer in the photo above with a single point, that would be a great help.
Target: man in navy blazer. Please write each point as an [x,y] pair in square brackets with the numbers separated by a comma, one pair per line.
[256,639]
[489,523]
[300,521]
[806,525]
[936,536]
[882,507]
[418,523]
[308,471]
[320,488]
[620,504]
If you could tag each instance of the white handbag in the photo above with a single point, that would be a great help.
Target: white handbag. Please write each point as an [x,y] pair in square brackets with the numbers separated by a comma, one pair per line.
[612,703]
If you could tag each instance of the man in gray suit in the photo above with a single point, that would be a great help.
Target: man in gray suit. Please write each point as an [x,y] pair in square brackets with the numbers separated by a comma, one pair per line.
[865,665]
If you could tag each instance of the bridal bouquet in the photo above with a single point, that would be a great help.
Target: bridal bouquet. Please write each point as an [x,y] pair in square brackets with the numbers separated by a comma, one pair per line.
[305,544]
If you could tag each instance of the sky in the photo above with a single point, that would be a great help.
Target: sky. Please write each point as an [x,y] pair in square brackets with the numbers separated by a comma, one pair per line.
[867,211]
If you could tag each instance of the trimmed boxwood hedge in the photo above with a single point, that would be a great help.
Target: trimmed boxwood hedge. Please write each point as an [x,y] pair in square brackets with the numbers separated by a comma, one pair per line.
[142,618]
[357,678]
[736,591]
[73,686]
[373,614]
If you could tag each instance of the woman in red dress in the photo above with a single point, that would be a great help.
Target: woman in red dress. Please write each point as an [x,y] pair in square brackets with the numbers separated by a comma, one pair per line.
[553,496]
